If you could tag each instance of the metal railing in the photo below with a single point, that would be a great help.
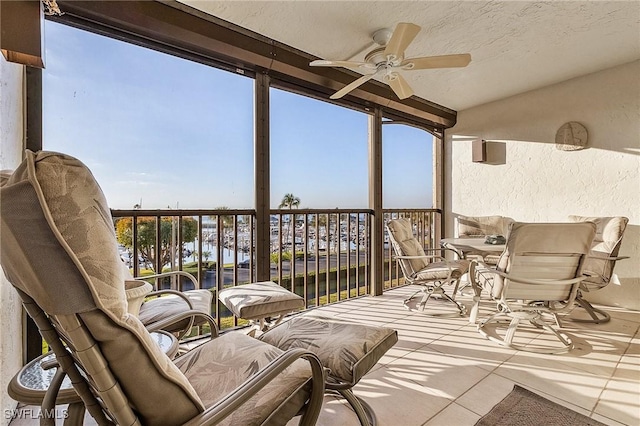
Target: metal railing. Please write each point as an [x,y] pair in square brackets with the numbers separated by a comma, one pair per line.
[323,255]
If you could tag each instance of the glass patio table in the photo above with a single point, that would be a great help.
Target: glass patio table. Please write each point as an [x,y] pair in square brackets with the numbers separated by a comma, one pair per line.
[472,246]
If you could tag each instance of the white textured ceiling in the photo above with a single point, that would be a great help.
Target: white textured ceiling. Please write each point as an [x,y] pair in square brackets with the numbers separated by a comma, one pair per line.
[516,46]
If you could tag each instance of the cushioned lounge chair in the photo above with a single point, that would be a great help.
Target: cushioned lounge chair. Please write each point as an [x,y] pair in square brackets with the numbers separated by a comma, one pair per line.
[539,273]
[601,261]
[59,251]
[425,267]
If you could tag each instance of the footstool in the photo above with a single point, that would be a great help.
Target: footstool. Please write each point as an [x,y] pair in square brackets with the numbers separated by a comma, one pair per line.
[260,302]
[348,350]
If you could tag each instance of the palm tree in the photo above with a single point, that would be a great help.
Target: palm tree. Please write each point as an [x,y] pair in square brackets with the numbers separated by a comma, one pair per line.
[289,201]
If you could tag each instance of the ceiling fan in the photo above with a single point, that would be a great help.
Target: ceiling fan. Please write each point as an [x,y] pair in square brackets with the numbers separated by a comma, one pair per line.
[388,61]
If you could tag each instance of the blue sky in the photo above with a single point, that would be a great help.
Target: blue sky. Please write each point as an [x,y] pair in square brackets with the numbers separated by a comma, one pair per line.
[175,133]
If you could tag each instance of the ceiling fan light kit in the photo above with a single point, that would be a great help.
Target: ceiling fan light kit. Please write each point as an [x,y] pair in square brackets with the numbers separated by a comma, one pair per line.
[388,61]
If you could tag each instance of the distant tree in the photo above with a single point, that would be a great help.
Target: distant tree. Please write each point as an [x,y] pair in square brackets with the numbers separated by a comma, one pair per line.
[289,201]
[147,237]
[227,219]
[227,225]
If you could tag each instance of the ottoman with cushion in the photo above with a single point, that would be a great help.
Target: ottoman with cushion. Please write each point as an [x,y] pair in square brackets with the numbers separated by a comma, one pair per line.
[347,350]
[260,301]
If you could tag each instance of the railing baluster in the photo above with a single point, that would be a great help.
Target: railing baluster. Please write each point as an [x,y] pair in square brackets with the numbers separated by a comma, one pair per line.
[316,280]
[235,230]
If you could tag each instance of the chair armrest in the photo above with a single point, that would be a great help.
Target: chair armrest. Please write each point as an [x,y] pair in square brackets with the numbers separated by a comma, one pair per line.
[426,256]
[50,363]
[159,293]
[442,250]
[191,315]
[230,403]
[448,246]
[171,274]
[614,258]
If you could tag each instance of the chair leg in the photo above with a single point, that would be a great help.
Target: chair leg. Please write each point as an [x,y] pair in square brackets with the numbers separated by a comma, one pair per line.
[406,301]
[473,315]
[464,285]
[598,316]
[461,307]
[438,291]
[365,413]
[75,415]
[515,319]
[425,298]
[511,331]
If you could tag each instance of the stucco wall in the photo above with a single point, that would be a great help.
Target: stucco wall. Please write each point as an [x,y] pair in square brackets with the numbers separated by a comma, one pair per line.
[11,143]
[538,182]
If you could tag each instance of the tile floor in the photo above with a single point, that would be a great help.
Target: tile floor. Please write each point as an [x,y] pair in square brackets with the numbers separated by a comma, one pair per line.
[442,372]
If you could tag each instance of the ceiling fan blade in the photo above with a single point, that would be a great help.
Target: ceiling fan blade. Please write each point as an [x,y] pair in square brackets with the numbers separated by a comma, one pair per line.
[399,85]
[349,87]
[429,62]
[345,64]
[402,36]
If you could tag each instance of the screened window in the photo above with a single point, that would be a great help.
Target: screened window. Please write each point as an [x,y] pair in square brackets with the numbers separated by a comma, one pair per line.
[156,130]
[407,167]
[319,152]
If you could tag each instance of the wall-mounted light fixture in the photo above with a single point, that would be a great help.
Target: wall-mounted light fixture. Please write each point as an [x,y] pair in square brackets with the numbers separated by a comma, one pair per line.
[478,151]
[488,152]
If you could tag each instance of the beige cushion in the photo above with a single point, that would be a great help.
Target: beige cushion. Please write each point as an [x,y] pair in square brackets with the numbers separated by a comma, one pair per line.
[59,246]
[260,300]
[230,355]
[491,259]
[348,350]
[159,308]
[440,270]
[479,226]
[402,237]
[405,244]
[606,243]
[143,371]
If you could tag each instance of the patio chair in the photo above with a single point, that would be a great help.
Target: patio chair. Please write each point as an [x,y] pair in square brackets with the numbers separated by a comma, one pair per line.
[539,273]
[480,227]
[59,251]
[170,310]
[601,261]
[430,271]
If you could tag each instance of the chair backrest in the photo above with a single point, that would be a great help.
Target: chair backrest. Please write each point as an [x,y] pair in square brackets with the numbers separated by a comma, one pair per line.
[59,247]
[606,244]
[480,226]
[404,243]
[543,252]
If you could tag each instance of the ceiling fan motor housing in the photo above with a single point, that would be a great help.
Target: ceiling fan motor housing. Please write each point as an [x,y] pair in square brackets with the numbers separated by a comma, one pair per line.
[377,56]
